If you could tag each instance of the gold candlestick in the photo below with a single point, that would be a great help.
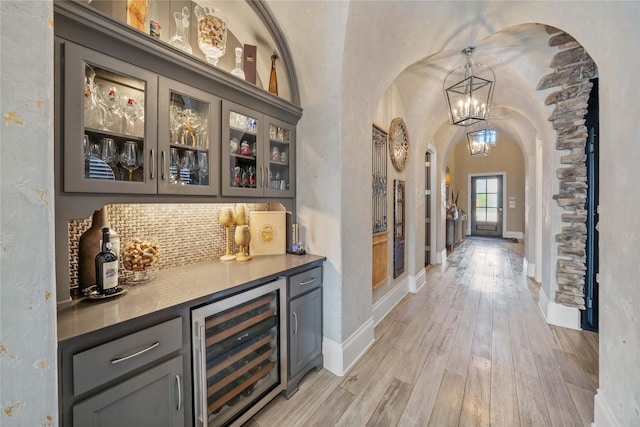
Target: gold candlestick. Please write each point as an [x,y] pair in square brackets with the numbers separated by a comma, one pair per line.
[226,219]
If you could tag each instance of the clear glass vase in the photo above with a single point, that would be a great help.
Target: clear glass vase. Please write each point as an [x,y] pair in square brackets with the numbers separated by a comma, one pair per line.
[212,31]
[181,40]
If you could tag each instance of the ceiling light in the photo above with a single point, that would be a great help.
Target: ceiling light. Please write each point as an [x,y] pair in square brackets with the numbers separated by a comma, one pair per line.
[477,143]
[469,90]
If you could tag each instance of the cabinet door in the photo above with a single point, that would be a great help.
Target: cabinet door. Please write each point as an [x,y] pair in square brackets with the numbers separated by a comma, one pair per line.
[242,166]
[305,330]
[110,124]
[280,158]
[188,140]
[153,398]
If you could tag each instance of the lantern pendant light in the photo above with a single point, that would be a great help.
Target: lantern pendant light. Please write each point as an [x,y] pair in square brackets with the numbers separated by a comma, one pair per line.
[468,91]
[477,143]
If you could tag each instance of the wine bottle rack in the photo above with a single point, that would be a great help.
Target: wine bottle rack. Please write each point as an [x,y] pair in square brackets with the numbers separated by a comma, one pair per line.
[241,356]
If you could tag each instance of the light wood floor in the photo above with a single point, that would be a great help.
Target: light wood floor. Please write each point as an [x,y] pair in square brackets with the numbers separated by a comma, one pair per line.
[470,348]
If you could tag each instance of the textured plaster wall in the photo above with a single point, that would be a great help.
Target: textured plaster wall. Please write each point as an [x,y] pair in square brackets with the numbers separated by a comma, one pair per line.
[28,385]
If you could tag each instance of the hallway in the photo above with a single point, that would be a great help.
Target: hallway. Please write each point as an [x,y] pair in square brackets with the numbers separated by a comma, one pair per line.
[470,348]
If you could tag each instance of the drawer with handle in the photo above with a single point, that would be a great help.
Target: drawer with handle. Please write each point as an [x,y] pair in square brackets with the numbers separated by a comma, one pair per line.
[306,281]
[108,361]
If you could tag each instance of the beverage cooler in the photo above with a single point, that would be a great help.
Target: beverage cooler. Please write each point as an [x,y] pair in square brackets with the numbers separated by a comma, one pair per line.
[239,354]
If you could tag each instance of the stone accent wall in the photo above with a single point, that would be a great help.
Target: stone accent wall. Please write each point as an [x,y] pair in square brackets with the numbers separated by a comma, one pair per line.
[573,68]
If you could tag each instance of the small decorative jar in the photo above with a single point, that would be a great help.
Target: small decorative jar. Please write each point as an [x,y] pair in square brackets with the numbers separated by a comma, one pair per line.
[245,148]
[234,145]
[283,157]
[275,154]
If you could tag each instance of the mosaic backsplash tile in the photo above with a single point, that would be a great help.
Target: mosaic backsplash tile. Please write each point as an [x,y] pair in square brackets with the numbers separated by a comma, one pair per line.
[186,233]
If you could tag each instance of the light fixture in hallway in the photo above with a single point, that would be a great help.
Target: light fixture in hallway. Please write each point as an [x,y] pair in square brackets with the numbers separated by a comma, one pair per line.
[469,90]
[477,143]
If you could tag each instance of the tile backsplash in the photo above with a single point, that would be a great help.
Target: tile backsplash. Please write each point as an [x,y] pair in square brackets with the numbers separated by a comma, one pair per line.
[185,233]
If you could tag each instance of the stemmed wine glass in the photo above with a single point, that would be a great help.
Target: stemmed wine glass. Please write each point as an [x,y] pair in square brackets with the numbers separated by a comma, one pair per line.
[109,152]
[174,166]
[188,165]
[130,110]
[129,158]
[203,168]
[113,116]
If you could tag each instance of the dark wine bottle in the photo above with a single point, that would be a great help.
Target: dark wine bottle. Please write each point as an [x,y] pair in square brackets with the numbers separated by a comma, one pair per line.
[106,267]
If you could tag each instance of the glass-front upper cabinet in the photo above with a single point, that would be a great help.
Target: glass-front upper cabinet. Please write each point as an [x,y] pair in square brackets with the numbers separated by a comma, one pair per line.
[242,166]
[280,158]
[109,124]
[257,154]
[189,122]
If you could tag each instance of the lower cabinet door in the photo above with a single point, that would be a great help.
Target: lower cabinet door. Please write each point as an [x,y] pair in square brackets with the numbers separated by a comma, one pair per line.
[305,330]
[153,398]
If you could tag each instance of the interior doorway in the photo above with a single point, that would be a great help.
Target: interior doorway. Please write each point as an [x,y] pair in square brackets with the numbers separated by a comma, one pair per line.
[427,209]
[486,205]
[589,316]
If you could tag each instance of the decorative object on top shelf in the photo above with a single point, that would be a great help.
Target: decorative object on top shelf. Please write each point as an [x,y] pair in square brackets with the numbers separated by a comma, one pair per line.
[273,79]
[250,58]
[468,91]
[226,219]
[181,38]
[212,31]
[137,13]
[237,71]
[399,144]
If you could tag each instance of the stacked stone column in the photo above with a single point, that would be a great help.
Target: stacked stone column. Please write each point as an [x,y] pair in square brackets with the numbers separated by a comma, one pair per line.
[573,69]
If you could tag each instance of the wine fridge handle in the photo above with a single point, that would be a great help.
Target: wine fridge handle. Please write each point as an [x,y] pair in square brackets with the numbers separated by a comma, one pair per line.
[153,164]
[202,390]
[295,323]
[179,390]
[137,353]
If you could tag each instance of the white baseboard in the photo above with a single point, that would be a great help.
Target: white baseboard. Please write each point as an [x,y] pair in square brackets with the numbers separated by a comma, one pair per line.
[528,268]
[442,257]
[558,314]
[418,281]
[339,358]
[602,414]
[385,304]
[513,235]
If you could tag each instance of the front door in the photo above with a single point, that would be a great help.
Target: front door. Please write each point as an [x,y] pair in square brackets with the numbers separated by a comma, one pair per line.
[486,206]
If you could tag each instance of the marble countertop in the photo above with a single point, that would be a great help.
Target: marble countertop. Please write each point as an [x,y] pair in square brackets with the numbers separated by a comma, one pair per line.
[172,288]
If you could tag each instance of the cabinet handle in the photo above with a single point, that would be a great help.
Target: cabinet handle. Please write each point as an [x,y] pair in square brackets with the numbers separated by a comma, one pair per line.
[137,353]
[153,164]
[307,282]
[261,176]
[266,168]
[164,162]
[179,386]
[295,323]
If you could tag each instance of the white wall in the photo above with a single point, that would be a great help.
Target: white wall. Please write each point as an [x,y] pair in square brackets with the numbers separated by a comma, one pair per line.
[28,383]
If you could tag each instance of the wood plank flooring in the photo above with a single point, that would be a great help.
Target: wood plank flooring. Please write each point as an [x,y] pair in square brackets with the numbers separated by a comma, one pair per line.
[471,348]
